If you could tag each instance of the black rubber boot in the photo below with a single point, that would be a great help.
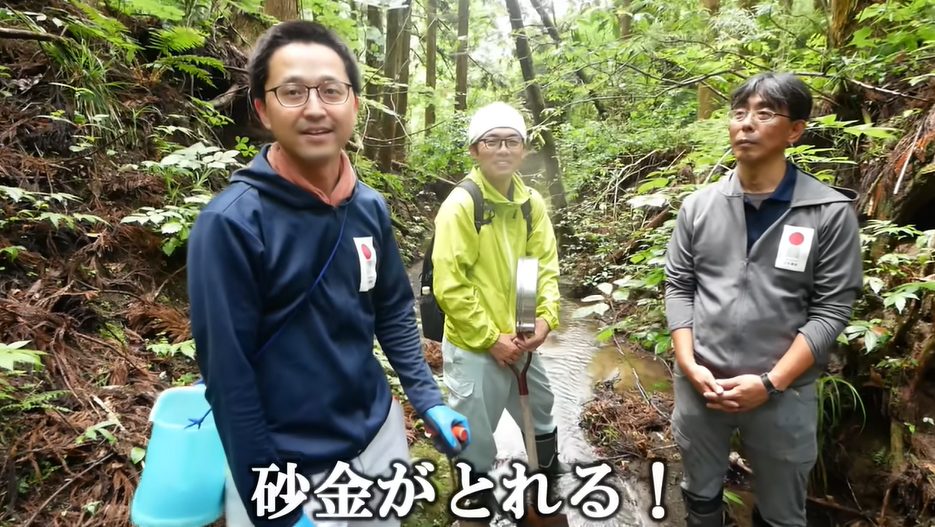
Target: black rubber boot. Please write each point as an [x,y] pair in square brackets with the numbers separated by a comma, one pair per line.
[547,448]
[549,464]
[702,512]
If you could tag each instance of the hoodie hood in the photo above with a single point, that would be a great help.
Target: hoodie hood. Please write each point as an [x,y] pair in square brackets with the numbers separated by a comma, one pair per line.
[261,176]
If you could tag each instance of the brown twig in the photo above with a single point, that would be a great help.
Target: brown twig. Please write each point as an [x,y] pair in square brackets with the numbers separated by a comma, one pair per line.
[912,148]
[887,91]
[839,508]
[22,34]
[171,276]
[115,349]
[63,487]
[227,97]
[639,385]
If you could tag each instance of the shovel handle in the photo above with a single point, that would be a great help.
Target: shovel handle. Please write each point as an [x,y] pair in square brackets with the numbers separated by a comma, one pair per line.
[460,433]
[521,374]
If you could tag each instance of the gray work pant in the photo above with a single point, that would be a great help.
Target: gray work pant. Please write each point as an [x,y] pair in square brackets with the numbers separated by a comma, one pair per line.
[779,439]
[374,462]
[481,389]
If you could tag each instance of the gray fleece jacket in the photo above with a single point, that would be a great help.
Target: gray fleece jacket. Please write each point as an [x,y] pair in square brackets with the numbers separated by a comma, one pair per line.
[801,276]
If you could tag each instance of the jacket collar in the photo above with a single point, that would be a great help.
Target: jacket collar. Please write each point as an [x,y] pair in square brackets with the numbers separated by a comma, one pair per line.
[806,189]
[520,190]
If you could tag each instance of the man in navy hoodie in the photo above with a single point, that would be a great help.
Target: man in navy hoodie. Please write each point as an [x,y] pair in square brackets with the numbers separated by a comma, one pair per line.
[293,270]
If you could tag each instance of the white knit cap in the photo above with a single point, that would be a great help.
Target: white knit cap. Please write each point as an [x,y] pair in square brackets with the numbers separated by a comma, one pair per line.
[495,115]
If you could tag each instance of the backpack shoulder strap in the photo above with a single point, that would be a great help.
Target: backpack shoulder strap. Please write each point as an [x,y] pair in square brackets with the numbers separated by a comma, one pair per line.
[526,207]
[426,276]
[478,198]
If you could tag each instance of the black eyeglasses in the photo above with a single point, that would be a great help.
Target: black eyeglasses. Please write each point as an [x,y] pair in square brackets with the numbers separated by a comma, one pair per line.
[495,143]
[762,116]
[294,94]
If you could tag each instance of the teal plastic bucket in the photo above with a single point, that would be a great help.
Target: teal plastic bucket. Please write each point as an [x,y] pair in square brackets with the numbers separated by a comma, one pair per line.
[182,484]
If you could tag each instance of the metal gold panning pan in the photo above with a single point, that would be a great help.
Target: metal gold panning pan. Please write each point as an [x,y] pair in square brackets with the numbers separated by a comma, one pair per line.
[527,280]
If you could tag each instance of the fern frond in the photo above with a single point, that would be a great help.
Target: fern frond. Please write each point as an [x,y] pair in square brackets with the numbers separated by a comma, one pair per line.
[98,26]
[38,401]
[178,39]
[110,26]
[193,65]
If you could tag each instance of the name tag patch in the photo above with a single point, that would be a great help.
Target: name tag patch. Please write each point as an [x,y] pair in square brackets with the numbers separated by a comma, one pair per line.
[794,247]
[367,257]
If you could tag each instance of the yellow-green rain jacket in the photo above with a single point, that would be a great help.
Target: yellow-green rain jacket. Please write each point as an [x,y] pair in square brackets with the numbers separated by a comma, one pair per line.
[475,273]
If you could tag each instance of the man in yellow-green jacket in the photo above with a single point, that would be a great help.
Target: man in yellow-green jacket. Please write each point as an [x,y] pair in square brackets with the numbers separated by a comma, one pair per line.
[474,284]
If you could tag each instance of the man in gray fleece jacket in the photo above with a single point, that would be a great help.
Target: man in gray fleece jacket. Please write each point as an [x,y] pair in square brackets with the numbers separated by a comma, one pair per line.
[762,271]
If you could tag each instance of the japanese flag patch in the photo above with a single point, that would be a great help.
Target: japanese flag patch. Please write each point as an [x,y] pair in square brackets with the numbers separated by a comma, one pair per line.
[367,257]
[794,247]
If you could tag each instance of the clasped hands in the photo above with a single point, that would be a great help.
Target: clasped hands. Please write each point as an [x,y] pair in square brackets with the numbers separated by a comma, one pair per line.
[509,348]
[736,394]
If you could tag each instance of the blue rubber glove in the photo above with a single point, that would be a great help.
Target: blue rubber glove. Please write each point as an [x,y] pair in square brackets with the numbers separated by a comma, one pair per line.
[304,522]
[441,419]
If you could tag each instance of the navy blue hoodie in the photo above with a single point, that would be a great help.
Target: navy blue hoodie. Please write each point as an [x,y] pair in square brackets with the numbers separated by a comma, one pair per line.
[316,394]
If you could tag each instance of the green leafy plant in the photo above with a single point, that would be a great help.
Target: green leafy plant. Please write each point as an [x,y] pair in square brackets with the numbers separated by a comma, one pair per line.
[98,431]
[899,296]
[836,396]
[173,222]
[246,150]
[163,348]
[37,209]
[137,455]
[193,168]
[17,352]
[873,334]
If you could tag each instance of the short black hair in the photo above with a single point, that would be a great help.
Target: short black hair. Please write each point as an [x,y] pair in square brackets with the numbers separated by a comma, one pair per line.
[779,90]
[285,33]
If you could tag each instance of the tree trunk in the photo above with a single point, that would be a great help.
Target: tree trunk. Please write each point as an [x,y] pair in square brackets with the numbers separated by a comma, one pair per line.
[372,131]
[705,96]
[402,99]
[581,74]
[391,62]
[282,9]
[431,53]
[461,60]
[843,21]
[536,105]
[625,19]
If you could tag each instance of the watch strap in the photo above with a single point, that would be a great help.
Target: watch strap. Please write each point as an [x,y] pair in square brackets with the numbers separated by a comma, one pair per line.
[770,388]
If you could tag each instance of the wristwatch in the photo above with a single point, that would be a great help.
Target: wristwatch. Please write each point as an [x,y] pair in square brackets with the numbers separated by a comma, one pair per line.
[771,390]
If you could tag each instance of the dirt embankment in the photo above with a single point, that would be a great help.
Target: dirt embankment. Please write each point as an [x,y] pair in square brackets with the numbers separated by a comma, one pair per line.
[100,298]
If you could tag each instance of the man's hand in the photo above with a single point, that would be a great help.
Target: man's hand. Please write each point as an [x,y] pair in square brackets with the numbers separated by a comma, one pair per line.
[532,342]
[703,381]
[504,351]
[741,394]
[442,420]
